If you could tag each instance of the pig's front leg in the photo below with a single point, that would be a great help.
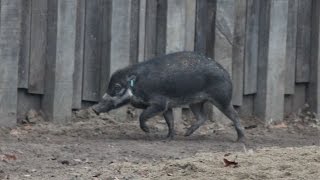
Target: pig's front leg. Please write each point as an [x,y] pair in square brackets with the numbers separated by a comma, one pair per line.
[168,116]
[149,112]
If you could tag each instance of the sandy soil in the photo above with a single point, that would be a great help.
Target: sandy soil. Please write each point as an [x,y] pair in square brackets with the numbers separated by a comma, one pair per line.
[107,147]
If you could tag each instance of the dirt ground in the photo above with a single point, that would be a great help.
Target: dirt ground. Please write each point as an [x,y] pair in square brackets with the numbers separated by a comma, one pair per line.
[109,148]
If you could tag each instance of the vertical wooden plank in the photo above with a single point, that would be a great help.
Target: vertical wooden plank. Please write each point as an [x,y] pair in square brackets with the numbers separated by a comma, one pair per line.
[38,46]
[58,98]
[225,19]
[201,26]
[161,27]
[66,38]
[251,47]
[264,19]
[269,100]
[134,31]
[79,53]
[150,32]
[176,18]
[142,29]
[106,9]
[303,41]
[291,46]
[25,45]
[238,52]
[313,96]
[47,100]
[120,33]
[10,32]
[190,6]
[205,27]
[211,27]
[92,52]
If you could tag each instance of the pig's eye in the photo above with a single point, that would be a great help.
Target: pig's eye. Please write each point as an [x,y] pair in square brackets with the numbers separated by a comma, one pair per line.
[117,88]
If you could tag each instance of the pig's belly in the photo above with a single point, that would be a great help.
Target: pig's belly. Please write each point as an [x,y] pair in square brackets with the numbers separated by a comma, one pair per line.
[183,101]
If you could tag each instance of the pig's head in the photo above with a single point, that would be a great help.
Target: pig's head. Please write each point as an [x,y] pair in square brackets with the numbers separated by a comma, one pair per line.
[118,92]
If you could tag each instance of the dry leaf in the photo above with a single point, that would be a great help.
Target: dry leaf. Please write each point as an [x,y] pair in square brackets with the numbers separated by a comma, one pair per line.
[229,163]
[7,157]
[279,126]
[10,157]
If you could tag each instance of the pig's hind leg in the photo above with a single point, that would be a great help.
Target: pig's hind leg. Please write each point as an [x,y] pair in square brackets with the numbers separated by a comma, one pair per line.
[231,113]
[198,111]
[168,116]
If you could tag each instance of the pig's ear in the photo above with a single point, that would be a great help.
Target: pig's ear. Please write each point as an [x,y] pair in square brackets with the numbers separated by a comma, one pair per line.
[131,79]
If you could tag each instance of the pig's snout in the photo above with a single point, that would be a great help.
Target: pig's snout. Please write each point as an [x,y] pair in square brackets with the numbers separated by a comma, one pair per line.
[105,105]
[96,109]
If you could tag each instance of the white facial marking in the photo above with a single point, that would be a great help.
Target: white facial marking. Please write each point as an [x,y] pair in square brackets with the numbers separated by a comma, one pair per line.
[106,96]
[130,92]
[124,97]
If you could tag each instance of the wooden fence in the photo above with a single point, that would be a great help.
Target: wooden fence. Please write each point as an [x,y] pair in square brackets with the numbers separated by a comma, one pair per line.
[57,55]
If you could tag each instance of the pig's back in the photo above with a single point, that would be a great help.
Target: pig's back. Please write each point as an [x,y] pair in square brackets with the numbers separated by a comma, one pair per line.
[182,73]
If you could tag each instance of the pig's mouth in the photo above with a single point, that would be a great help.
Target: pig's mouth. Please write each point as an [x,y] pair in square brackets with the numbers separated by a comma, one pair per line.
[108,103]
[94,109]
[102,107]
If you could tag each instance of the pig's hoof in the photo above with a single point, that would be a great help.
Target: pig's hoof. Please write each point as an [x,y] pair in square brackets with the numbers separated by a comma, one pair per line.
[241,139]
[170,136]
[145,129]
[189,132]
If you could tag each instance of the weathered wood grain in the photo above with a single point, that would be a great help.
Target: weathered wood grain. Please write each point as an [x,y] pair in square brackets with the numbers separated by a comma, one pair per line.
[79,55]
[120,33]
[291,46]
[201,26]
[92,52]
[38,46]
[59,95]
[313,97]
[106,9]
[134,31]
[303,41]
[10,32]
[47,104]
[251,47]
[269,100]
[238,48]
[142,29]
[176,19]
[66,38]
[190,6]
[260,98]
[224,33]
[150,32]
[24,58]
[161,27]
